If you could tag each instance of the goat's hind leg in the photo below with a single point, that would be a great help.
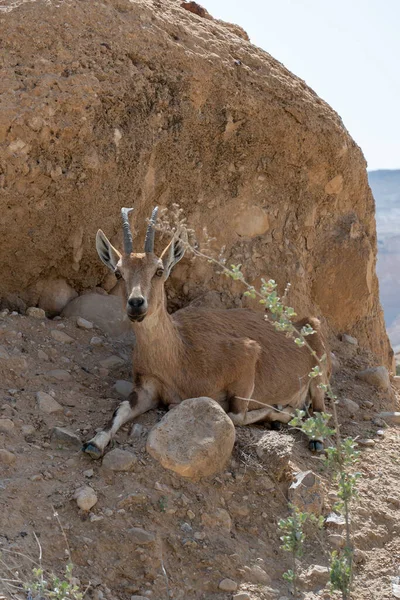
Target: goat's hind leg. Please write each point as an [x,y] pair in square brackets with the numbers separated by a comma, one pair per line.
[138,403]
[317,396]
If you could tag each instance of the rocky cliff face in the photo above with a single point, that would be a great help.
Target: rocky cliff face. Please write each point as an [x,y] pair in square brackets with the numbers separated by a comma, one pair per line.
[118,103]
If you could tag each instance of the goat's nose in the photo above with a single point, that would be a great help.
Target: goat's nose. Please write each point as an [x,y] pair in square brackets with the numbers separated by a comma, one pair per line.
[136,302]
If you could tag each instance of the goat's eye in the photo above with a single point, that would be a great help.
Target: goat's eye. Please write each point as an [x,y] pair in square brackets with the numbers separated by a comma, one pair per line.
[160,272]
[118,274]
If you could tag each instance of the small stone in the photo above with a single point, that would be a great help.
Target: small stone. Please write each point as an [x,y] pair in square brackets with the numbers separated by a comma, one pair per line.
[137,431]
[349,405]
[6,425]
[377,376]
[83,323]
[218,520]
[393,417]
[335,520]
[60,336]
[141,537]
[36,313]
[108,512]
[123,388]
[64,436]
[367,442]
[228,585]
[4,313]
[111,362]
[59,375]
[191,515]
[47,404]
[7,458]
[93,518]
[368,404]
[316,577]
[119,460]
[243,596]
[89,473]
[348,339]
[133,500]
[27,430]
[380,433]
[255,574]
[336,540]
[42,355]
[96,341]
[85,497]
[306,492]
[274,449]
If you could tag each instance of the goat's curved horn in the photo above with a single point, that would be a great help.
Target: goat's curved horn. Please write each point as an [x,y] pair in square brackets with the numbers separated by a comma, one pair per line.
[149,241]
[128,242]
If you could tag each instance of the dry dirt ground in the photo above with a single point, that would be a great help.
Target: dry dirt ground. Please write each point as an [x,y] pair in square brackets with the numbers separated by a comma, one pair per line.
[204,532]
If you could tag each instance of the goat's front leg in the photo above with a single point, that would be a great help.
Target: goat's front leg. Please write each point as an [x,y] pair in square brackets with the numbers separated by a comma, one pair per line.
[140,401]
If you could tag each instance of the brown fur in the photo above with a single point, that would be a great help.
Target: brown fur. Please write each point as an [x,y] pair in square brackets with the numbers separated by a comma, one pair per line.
[228,355]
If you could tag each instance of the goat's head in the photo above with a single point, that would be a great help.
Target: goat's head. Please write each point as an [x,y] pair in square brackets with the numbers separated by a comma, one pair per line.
[144,273]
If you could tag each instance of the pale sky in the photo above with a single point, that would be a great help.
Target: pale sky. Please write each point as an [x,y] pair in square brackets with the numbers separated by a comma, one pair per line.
[347,51]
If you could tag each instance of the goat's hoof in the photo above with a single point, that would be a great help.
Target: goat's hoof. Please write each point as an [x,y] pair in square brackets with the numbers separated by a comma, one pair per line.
[92,450]
[276,425]
[316,446]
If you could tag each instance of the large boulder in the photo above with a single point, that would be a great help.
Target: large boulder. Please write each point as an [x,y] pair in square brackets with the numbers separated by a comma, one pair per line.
[126,103]
[106,312]
[195,439]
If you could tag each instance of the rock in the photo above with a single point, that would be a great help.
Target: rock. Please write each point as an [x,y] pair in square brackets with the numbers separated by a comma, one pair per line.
[335,362]
[137,431]
[349,405]
[334,520]
[228,585]
[83,323]
[6,457]
[42,355]
[396,381]
[28,430]
[367,442]
[36,313]
[194,440]
[61,337]
[119,460]
[348,339]
[140,536]
[111,362]
[85,497]
[368,404]
[3,353]
[53,295]
[393,417]
[376,376]
[58,375]
[123,388]
[88,473]
[306,493]
[47,404]
[274,449]
[96,341]
[219,520]
[255,574]
[106,312]
[316,577]
[241,596]
[6,426]
[65,437]
[133,500]
[336,540]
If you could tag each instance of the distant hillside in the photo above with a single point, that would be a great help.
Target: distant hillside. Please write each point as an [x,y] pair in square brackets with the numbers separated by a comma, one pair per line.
[385,186]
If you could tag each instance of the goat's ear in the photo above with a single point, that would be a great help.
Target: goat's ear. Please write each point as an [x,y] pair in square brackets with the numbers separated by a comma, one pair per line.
[106,251]
[174,252]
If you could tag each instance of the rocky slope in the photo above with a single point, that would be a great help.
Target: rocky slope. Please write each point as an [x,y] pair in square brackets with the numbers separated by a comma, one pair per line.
[135,103]
[135,529]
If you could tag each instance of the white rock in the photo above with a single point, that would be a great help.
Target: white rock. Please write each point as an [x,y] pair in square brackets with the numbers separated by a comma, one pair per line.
[47,404]
[62,337]
[83,323]
[123,388]
[36,313]
[377,376]
[228,585]
[96,341]
[106,312]
[111,362]
[194,440]
[85,497]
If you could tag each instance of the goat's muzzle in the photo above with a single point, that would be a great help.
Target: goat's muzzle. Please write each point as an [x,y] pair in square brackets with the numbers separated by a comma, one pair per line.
[136,308]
